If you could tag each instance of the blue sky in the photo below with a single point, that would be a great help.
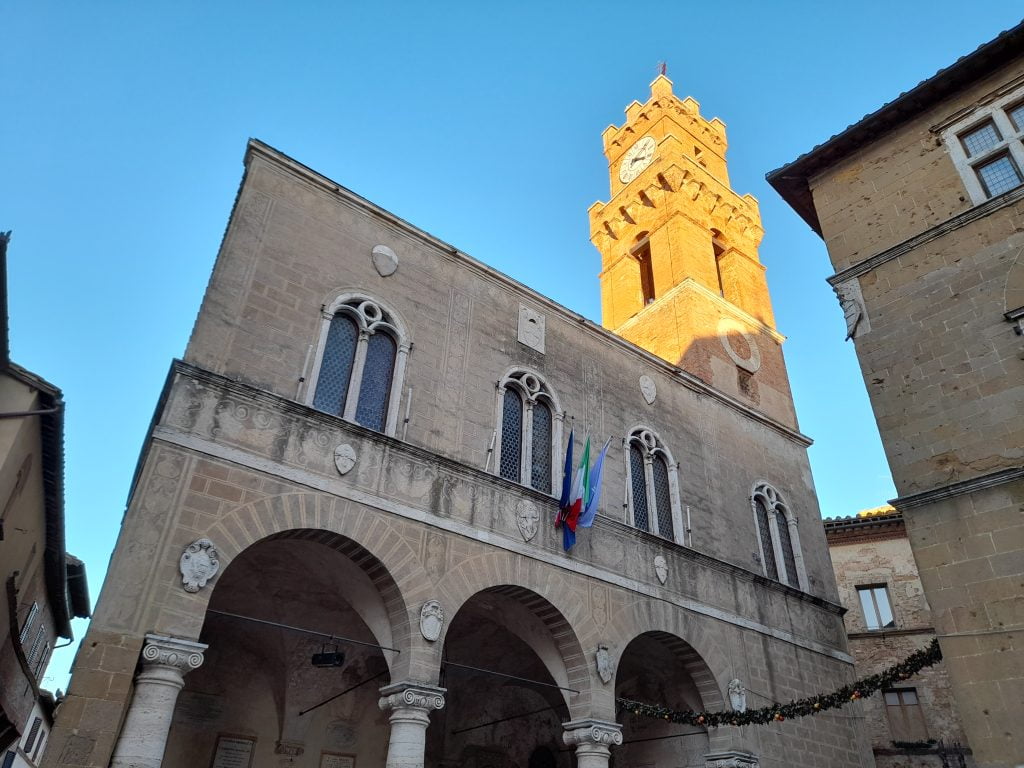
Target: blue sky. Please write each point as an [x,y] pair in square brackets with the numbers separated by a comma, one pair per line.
[123,127]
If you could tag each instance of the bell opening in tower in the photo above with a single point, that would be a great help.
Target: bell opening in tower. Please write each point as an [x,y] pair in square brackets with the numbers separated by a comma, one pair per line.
[642,254]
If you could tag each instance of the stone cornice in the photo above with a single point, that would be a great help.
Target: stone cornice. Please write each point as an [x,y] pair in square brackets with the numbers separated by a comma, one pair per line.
[961,488]
[881,634]
[939,230]
[689,284]
[404,229]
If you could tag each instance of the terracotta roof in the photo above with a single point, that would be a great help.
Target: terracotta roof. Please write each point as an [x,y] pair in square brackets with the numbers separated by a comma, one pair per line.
[790,181]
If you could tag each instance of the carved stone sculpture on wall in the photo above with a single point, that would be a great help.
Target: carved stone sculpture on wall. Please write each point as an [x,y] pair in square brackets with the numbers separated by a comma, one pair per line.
[385,260]
[527,518]
[605,664]
[737,695]
[661,568]
[431,620]
[344,458]
[648,389]
[531,328]
[852,302]
[199,564]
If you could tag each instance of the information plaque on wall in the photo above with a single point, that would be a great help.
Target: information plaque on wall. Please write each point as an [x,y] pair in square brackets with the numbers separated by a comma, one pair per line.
[233,752]
[336,760]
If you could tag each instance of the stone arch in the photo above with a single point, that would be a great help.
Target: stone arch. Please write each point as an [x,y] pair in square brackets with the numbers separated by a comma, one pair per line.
[365,536]
[546,599]
[696,642]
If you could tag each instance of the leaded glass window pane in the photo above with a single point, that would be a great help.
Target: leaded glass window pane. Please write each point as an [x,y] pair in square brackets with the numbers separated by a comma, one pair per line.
[999,176]
[639,486]
[1017,115]
[540,472]
[787,548]
[663,498]
[375,388]
[511,435]
[981,139]
[336,367]
[767,548]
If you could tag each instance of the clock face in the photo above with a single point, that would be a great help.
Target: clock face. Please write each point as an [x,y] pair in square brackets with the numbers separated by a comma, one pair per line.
[638,157]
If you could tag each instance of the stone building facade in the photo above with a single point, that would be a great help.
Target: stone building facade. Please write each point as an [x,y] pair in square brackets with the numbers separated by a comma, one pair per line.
[361,456]
[887,619]
[44,587]
[921,206]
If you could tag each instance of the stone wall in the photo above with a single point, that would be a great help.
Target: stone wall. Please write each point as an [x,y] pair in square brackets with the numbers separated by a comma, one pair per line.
[926,273]
[873,560]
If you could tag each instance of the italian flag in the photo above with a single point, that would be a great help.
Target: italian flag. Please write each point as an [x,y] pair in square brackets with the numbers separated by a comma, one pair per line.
[577,499]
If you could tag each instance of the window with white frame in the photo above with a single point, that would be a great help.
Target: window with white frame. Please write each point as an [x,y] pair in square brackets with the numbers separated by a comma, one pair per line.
[874,603]
[778,537]
[986,146]
[529,433]
[360,363]
[653,488]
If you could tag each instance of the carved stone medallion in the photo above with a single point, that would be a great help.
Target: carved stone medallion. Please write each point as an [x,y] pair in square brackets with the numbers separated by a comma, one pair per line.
[661,568]
[605,665]
[385,260]
[431,620]
[344,458]
[737,695]
[728,329]
[199,564]
[648,389]
[527,518]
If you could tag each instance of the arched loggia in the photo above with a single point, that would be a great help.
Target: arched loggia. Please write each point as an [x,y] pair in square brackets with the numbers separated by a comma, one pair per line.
[511,667]
[295,619]
[660,668]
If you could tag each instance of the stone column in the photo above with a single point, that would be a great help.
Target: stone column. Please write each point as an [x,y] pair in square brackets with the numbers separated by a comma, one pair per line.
[165,661]
[592,739]
[410,705]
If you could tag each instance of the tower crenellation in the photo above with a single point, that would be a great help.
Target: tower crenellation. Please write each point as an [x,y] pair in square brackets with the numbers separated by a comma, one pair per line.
[678,245]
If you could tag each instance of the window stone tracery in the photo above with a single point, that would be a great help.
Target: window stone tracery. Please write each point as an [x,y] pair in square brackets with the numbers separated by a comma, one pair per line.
[360,363]
[529,431]
[778,537]
[653,498]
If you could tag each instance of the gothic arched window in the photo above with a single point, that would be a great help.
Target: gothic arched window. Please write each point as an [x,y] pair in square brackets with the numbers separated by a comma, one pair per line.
[529,431]
[653,486]
[360,363]
[778,537]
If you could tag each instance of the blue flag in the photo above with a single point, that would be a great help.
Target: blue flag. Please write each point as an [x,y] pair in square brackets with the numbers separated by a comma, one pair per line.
[590,512]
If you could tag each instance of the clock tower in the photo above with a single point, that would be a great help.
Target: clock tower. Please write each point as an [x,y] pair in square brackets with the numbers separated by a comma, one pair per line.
[680,275]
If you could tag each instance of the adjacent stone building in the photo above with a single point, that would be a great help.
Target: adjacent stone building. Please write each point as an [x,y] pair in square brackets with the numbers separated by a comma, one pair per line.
[916,723]
[921,205]
[44,587]
[339,545]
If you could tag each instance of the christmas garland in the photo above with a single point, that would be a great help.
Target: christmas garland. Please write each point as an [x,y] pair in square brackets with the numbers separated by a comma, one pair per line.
[811,705]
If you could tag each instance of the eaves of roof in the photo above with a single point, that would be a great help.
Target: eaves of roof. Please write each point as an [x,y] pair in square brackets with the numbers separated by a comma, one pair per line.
[791,180]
